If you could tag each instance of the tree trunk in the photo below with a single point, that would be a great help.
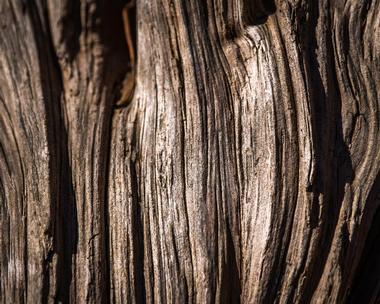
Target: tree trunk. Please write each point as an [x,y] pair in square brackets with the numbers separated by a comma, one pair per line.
[245,169]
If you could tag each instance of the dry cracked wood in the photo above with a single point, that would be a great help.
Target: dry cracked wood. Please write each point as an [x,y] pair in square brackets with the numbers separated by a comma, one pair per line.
[245,169]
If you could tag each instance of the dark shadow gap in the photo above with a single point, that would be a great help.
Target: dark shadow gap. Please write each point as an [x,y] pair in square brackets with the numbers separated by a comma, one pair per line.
[256,12]
[334,167]
[64,225]
[113,36]
[366,284]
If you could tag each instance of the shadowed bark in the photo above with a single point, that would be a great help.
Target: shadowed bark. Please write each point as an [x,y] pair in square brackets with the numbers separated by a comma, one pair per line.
[246,168]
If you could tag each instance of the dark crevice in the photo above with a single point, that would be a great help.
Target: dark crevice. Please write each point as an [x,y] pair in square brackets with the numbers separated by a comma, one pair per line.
[128,60]
[64,226]
[138,235]
[107,138]
[366,284]
[257,11]
[71,28]
[113,36]
[122,63]
[333,166]
[231,283]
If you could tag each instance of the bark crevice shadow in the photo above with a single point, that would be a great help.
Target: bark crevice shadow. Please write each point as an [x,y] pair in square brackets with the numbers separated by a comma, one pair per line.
[64,224]
[256,12]
[334,168]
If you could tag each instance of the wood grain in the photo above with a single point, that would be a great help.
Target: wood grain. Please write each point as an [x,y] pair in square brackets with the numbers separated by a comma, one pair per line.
[244,170]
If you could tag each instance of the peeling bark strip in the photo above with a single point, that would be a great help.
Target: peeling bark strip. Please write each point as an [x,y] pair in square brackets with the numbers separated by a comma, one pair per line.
[245,169]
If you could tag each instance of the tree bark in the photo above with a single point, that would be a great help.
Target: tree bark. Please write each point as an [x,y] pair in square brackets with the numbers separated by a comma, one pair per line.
[246,168]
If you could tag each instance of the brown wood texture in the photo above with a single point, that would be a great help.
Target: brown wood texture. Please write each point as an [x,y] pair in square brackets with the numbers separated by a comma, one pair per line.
[246,168]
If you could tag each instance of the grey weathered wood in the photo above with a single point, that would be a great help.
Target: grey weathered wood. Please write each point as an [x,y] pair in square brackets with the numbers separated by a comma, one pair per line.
[245,169]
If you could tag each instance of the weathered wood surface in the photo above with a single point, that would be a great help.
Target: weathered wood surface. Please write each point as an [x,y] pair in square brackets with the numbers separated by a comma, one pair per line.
[245,169]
